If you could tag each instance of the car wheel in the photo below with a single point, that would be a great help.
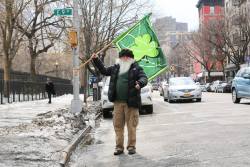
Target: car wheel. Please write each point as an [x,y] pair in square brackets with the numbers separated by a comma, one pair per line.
[149,109]
[198,100]
[165,99]
[170,101]
[234,97]
[106,113]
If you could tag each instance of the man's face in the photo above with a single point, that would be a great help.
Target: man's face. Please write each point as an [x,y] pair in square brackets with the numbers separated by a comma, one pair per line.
[125,58]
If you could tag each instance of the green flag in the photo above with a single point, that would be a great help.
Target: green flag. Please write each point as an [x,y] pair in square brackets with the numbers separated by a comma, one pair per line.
[142,40]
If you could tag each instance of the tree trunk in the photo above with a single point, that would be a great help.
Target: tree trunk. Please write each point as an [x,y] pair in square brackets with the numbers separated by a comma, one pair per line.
[7,66]
[209,76]
[33,67]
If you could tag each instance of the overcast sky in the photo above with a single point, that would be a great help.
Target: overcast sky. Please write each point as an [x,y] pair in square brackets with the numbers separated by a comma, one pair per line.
[182,10]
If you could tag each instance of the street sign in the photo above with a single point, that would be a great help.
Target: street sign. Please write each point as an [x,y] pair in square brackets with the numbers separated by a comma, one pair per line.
[63,12]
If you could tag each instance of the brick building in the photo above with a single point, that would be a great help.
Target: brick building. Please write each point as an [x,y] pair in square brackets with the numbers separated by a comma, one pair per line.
[209,11]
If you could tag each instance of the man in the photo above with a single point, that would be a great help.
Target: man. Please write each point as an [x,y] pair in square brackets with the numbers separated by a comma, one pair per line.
[127,78]
[49,87]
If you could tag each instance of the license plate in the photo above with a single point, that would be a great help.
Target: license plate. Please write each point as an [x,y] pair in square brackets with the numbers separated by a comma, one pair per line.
[187,94]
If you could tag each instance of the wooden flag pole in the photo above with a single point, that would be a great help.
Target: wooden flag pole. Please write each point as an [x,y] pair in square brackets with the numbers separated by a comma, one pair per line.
[104,48]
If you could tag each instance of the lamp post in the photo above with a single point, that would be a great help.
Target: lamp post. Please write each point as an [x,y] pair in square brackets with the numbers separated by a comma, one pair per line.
[76,103]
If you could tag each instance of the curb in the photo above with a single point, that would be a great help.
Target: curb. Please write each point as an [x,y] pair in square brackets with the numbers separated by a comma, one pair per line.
[66,153]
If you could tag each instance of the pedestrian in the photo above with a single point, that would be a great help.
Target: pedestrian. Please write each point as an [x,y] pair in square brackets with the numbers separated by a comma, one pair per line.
[49,87]
[127,79]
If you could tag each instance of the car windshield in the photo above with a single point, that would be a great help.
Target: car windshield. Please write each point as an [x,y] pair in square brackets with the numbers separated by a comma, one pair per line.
[181,81]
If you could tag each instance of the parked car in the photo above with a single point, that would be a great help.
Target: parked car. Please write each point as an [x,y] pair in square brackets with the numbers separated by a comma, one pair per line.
[155,85]
[241,85]
[224,87]
[214,85]
[182,88]
[203,87]
[208,87]
[107,106]
[161,87]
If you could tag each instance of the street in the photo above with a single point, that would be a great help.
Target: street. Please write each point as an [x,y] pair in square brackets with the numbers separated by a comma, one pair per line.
[214,132]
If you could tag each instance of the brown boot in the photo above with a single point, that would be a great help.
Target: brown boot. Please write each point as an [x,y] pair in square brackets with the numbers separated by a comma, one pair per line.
[131,150]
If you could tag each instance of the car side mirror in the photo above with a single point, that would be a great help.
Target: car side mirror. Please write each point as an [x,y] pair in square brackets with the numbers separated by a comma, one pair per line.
[100,84]
[246,76]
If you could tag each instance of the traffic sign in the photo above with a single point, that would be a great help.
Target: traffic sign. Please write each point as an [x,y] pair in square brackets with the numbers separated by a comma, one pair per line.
[172,68]
[63,12]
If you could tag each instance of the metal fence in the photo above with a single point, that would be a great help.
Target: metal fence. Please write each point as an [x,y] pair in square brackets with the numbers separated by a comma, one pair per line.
[22,88]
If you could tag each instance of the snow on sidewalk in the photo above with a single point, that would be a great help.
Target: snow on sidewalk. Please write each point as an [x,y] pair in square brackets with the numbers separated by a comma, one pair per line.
[34,133]
[23,112]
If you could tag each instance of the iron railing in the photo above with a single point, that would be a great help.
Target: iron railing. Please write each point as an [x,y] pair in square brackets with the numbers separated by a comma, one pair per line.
[22,88]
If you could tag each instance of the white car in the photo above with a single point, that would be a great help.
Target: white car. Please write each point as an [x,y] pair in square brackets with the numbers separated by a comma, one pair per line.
[182,88]
[214,85]
[107,106]
[161,87]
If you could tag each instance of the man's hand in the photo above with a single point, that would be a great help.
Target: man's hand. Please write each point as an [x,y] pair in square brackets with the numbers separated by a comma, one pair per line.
[137,86]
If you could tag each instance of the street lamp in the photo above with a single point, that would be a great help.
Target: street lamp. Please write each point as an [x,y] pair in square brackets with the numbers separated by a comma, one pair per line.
[56,65]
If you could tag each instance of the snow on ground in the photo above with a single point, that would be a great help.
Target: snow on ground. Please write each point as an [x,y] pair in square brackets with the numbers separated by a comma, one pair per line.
[34,133]
[22,112]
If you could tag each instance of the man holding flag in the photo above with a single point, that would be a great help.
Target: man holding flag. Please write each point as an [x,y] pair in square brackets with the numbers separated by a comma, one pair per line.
[127,79]
[140,59]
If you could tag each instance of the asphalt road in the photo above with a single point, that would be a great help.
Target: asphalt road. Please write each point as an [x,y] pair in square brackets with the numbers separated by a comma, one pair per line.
[212,133]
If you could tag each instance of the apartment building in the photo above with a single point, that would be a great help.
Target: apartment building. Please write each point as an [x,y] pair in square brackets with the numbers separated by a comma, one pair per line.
[236,15]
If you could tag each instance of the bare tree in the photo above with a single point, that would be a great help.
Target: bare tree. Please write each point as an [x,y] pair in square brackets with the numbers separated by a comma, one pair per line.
[11,38]
[200,51]
[41,28]
[214,39]
[231,44]
[180,60]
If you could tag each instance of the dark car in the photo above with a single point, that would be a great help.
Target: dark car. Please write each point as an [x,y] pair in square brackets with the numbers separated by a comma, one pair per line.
[228,87]
[208,87]
[241,85]
[224,87]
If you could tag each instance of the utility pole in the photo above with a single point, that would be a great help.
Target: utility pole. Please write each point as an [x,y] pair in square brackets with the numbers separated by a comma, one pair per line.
[76,103]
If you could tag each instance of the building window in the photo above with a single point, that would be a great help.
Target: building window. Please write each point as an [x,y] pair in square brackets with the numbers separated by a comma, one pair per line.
[212,10]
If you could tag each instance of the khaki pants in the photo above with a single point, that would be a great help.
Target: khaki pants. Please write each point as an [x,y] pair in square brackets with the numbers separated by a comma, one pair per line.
[124,114]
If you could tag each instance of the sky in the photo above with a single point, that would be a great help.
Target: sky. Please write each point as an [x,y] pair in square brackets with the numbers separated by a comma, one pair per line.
[182,10]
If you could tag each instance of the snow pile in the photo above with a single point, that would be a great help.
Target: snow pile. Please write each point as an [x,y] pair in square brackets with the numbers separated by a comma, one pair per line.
[47,134]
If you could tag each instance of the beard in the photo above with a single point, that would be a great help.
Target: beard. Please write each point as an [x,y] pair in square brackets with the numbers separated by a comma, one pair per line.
[124,65]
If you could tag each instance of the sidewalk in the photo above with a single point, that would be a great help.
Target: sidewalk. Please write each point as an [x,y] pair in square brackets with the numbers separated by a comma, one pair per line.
[34,133]
[23,112]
